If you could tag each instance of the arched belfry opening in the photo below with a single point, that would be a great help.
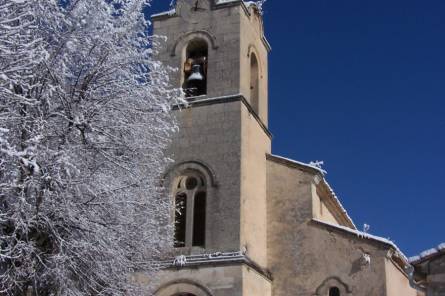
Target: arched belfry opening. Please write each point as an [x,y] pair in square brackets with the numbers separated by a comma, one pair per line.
[190,195]
[254,83]
[195,68]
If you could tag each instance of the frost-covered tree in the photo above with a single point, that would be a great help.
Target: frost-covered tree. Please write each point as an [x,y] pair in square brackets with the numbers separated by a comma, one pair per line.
[84,120]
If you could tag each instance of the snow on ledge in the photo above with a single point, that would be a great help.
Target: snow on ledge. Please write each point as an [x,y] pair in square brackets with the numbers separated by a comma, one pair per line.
[170,12]
[321,171]
[364,235]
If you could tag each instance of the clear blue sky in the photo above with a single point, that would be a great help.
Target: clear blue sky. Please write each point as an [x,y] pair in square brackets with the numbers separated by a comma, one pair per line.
[361,86]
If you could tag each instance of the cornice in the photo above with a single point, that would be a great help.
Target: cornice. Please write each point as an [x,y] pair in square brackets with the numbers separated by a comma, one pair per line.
[214,259]
[201,101]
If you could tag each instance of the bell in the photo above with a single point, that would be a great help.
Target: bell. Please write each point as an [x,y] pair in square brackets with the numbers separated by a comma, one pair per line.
[196,74]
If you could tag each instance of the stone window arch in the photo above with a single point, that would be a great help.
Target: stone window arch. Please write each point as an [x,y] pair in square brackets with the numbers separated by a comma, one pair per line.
[195,67]
[190,196]
[183,287]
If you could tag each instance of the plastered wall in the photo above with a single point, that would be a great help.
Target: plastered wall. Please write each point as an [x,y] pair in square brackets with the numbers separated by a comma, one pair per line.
[255,143]
[397,283]
[319,208]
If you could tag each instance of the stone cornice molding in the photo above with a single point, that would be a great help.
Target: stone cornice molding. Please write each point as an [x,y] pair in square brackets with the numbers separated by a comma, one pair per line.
[184,38]
[214,259]
[205,101]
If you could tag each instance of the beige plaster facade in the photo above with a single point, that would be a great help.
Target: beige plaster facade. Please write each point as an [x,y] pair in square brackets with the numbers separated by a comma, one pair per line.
[272,226]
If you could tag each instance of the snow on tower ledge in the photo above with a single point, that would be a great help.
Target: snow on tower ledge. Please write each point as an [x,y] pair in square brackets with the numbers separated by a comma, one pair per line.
[172,12]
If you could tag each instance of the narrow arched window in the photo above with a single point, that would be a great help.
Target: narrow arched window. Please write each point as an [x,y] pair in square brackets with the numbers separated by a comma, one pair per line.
[190,213]
[334,291]
[254,83]
[195,68]
[180,219]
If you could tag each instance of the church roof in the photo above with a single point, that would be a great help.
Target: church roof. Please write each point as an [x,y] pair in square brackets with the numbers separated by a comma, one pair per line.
[428,254]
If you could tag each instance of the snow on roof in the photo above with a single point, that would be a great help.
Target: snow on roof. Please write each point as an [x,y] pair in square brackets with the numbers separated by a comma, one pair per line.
[428,254]
[337,201]
[365,235]
[322,172]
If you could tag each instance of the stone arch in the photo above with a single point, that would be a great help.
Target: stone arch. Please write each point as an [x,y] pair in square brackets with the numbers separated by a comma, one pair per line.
[252,49]
[196,165]
[183,286]
[195,66]
[323,289]
[187,37]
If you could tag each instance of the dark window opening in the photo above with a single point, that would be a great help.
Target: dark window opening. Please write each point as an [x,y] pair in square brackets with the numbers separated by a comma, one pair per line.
[180,219]
[191,183]
[199,219]
[334,291]
[254,83]
[195,68]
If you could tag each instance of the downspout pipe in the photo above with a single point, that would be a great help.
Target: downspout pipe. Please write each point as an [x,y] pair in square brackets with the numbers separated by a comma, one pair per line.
[412,281]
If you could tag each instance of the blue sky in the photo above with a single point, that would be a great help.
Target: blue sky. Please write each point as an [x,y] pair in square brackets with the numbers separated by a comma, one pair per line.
[361,86]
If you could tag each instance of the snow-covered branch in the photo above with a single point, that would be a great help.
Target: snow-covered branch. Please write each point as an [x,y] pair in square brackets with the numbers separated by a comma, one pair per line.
[84,121]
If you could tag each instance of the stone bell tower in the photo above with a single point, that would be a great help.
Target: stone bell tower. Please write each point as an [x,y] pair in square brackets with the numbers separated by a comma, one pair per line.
[218,179]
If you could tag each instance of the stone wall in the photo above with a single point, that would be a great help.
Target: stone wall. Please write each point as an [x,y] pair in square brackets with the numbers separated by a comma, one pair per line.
[436,276]
[220,28]
[210,135]
[307,257]
[252,42]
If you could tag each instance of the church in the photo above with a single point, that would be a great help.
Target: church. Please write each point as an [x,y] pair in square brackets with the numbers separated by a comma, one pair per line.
[248,222]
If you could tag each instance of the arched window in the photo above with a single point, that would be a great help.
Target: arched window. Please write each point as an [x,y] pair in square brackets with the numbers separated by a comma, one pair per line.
[180,219]
[190,213]
[334,291]
[254,82]
[195,68]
